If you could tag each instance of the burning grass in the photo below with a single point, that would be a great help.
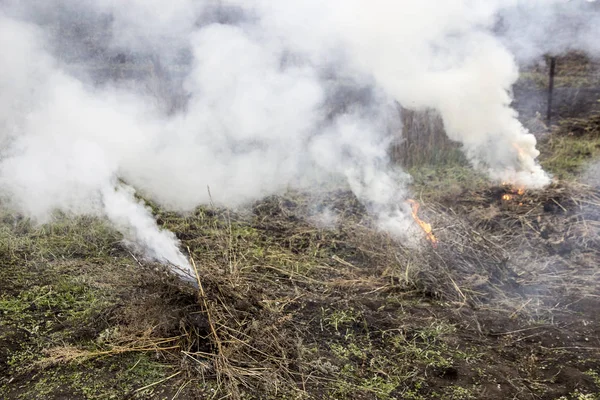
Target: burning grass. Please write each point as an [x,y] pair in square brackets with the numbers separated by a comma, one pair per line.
[527,265]
[504,305]
[289,304]
[426,227]
[524,240]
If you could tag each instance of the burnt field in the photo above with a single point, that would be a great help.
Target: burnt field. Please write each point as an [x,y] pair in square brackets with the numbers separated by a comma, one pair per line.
[299,295]
[504,305]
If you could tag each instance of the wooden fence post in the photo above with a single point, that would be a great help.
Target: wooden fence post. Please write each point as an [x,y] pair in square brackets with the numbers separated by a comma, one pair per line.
[551,88]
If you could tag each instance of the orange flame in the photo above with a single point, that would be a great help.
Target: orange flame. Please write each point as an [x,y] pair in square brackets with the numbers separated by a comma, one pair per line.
[513,191]
[519,150]
[424,225]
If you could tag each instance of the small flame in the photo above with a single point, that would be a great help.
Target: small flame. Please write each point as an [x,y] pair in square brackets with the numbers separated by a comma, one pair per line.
[424,225]
[512,192]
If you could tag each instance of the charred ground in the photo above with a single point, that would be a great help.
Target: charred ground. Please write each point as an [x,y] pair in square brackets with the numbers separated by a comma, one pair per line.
[504,307]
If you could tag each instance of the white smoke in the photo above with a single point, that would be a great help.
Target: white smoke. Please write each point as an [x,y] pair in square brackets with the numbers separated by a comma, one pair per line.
[63,145]
[278,94]
[537,27]
[132,218]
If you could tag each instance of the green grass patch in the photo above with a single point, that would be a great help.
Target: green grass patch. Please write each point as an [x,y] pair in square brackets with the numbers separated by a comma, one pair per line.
[435,182]
[68,299]
[392,364]
[89,238]
[566,156]
[123,376]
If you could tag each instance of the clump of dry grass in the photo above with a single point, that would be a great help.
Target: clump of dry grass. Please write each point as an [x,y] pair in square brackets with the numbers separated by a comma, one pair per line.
[119,344]
[423,140]
[533,248]
[253,269]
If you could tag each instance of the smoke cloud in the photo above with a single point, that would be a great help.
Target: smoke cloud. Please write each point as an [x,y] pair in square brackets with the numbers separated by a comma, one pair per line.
[256,97]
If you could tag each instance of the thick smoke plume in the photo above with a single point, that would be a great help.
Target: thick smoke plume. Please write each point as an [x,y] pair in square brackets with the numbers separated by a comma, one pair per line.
[251,98]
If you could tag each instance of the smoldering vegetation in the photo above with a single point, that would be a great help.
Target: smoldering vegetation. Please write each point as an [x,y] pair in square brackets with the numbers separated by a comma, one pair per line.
[300,290]
[249,100]
[508,297]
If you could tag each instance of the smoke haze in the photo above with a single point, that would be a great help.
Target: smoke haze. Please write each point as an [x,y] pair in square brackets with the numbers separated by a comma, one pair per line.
[261,96]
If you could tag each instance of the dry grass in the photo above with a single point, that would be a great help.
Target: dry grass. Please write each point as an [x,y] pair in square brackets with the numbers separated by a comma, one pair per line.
[423,141]
[574,143]
[493,250]
[505,257]
[283,307]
